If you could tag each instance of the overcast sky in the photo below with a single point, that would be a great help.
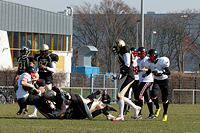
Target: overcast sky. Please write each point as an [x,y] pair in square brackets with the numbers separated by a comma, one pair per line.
[159,6]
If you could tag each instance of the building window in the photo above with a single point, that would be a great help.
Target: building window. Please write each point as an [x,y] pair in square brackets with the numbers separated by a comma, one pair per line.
[48,41]
[54,42]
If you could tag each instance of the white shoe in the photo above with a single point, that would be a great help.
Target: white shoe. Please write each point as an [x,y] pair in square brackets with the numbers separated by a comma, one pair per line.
[118,118]
[137,111]
[109,117]
[32,115]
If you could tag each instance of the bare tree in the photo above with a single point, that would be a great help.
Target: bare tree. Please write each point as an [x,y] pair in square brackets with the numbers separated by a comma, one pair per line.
[101,25]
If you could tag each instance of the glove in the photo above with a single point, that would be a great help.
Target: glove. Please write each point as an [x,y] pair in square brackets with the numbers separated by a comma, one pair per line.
[144,75]
[157,72]
[119,76]
[52,115]
[114,77]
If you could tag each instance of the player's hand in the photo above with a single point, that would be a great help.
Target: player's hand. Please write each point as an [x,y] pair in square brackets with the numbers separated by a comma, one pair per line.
[43,66]
[144,75]
[119,76]
[157,72]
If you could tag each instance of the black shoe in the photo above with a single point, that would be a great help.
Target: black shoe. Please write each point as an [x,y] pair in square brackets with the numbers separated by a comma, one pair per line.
[19,112]
[138,117]
[151,116]
[109,108]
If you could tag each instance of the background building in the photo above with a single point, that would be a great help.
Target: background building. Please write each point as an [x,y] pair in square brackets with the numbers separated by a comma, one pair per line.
[28,26]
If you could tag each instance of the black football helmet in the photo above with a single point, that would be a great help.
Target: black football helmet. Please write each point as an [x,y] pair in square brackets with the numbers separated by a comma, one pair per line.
[142,51]
[153,54]
[134,51]
[24,51]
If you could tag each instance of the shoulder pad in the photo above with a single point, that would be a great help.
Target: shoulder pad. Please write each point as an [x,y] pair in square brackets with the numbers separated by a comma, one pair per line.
[36,55]
[124,50]
[54,57]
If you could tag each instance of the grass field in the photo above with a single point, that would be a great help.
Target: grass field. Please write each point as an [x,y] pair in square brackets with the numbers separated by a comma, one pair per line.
[181,118]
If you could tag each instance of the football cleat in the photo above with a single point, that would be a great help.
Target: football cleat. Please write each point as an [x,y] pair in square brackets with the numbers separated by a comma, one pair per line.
[109,117]
[118,118]
[32,115]
[109,108]
[137,111]
[151,116]
[138,117]
[157,112]
[164,117]
[19,112]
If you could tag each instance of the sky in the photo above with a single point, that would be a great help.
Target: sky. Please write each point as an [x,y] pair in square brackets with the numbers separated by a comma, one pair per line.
[158,6]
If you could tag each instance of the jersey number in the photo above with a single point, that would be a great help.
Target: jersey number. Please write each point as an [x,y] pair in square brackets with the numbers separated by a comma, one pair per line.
[22,65]
[43,62]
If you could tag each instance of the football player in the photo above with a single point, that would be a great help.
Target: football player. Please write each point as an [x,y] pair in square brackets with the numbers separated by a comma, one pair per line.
[25,86]
[145,82]
[160,69]
[135,85]
[46,64]
[126,76]
[79,108]
[23,61]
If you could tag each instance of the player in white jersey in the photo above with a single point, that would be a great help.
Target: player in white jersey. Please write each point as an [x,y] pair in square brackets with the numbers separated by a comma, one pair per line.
[146,81]
[25,86]
[160,68]
[126,76]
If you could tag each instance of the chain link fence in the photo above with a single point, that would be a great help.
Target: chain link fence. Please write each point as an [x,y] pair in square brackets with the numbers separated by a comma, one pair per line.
[104,81]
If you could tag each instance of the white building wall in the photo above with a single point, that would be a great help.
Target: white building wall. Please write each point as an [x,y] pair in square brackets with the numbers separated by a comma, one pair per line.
[5,55]
[64,65]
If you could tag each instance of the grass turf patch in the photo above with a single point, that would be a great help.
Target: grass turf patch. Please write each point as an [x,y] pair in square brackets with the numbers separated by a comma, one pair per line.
[181,118]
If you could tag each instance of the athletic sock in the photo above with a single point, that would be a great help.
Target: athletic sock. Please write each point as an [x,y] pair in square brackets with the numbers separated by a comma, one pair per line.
[34,110]
[155,101]
[140,103]
[165,106]
[97,112]
[150,107]
[136,102]
[130,103]
[121,107]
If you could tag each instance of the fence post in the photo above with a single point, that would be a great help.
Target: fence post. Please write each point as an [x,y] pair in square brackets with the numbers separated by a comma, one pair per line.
[195,93]
[104,81]
[179,88]
[173,96]
[92,83]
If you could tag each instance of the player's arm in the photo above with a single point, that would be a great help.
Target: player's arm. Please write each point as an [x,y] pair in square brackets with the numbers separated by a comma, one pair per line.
[62,111]
[50,69]
[28,87]
[166,71]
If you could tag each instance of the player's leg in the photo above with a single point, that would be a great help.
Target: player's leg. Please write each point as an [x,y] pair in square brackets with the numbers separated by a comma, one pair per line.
[155,91]
[165,91]
[148,100]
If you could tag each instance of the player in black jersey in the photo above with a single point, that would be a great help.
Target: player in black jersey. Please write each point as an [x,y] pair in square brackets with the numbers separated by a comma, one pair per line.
[24,60]
[46,64]
[126,76]
[78,107]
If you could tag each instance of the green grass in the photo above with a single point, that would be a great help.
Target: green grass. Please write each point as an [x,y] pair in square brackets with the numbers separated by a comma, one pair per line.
[181,118]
